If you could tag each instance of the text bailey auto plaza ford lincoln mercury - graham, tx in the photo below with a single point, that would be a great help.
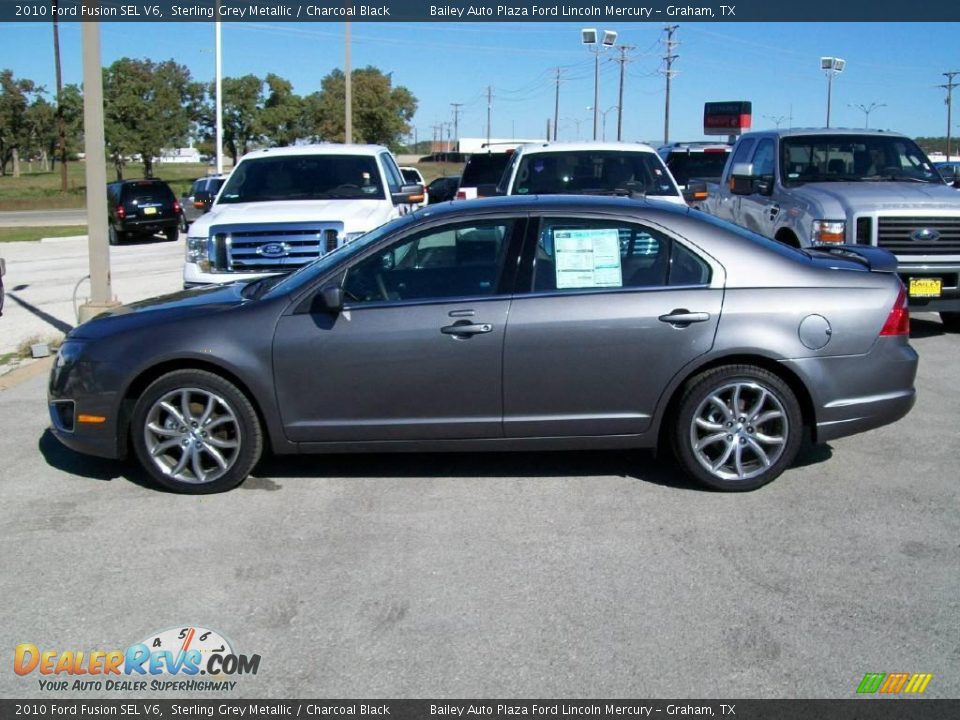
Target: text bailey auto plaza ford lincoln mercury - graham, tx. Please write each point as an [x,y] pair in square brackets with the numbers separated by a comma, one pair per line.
[510,323]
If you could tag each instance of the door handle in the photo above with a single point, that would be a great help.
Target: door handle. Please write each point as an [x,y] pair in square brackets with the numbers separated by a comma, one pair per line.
[682,317]
[465,328]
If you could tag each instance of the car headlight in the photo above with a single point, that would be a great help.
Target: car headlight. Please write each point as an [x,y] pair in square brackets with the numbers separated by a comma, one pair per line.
[68,353]
[197,252]
[828,231]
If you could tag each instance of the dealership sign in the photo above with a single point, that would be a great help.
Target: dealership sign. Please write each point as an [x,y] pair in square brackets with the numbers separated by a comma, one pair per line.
[727,118]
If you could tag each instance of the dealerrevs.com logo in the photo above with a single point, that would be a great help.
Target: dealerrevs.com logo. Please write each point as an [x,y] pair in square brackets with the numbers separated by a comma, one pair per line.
[179,659]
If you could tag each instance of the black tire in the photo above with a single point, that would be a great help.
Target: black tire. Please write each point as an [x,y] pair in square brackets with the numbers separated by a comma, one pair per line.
[234,433]
[741,452]
[951,321]
[173,234]
[184,225]
[115,236]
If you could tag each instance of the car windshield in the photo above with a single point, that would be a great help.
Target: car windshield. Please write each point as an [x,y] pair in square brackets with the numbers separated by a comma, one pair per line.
[304,177]
[593,172]
[147,190]
[484,169]
[846,158]
[283,284]
[699,164]
[411,176]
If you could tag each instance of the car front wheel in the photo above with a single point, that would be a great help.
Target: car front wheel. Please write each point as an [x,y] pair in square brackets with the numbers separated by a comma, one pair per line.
[738,427]
[195,432]
[951,321]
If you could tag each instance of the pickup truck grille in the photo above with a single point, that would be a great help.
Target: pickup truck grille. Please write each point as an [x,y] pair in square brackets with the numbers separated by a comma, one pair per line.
[905,234]
[279,248]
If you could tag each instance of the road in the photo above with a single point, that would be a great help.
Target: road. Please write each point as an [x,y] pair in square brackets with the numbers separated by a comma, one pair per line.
[42,218]
[41,278]
[530,575]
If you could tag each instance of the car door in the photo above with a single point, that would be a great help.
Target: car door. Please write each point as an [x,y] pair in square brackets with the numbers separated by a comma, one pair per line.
[614,310]
[727,204]
[759,211]
[416,353]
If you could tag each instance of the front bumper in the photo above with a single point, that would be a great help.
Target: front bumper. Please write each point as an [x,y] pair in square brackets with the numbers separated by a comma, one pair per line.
[193,276]
[947,272]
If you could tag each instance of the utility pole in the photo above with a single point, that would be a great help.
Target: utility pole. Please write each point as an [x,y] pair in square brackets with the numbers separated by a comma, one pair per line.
[556,110]
[949,86]
[456,123]
[219,88]
[96,173]
[668,57]
[489,107]
[61,125]
[624,49]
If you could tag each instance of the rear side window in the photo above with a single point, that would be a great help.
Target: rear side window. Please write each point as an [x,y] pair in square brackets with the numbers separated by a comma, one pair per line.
[599,255]
[593,172]
[484,169]
[147,191]
[703,165]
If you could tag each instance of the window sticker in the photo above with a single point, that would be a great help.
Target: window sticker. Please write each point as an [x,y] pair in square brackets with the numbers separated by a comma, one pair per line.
[587,258]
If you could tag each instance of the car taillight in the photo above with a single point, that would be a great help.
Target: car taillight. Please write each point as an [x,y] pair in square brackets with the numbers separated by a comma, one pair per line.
[461,195]
[121,213]
[898,321]
[176,207]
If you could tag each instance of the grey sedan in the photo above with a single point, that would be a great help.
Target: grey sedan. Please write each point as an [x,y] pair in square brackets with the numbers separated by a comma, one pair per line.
[507,324]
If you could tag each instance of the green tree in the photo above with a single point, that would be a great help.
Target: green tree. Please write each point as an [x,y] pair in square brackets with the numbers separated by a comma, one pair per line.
[381,112]
[16,96]
[40,139]
[281,113]
[148,106]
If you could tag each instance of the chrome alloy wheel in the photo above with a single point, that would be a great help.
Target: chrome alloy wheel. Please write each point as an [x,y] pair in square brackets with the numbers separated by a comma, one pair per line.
[192,435]
[739,430]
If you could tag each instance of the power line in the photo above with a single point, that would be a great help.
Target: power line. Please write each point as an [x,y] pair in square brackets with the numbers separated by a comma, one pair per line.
[622,61]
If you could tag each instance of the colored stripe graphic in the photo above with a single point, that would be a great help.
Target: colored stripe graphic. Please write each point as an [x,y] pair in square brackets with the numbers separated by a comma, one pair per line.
[893,683]
[871,682]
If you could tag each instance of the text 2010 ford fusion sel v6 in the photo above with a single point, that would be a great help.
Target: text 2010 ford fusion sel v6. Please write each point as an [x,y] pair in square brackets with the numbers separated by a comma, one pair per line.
[504,324]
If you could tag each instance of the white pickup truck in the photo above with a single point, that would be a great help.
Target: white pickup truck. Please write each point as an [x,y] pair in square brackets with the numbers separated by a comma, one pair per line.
[284,207]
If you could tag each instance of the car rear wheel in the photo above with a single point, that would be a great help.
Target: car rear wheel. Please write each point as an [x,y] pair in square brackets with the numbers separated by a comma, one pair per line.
[194,432]
[173,234]
[738,427]
[951,321]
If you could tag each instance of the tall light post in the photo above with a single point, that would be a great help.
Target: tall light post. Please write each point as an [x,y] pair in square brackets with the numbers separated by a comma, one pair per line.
[219,91]
[596,43]
[603,123]
[866,110]
[776,119]
[831,66]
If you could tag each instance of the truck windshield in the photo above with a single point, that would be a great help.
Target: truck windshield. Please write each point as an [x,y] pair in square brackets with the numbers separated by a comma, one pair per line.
[592,172]
[853,158]
[304,177]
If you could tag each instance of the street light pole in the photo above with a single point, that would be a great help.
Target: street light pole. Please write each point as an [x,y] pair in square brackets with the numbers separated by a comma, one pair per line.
[866,110]
[219,90]
[832,66]
[591,38]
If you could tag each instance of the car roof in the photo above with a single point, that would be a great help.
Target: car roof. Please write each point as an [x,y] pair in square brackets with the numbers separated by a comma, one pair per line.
[547,147]
[695,146]
[549,203]
[317,149]
[783,132]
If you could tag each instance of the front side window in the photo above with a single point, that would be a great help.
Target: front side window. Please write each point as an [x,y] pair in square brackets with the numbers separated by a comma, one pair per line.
[593,172]
[450,262]
[392,173]
[304,177]
[763,159]
[601,255]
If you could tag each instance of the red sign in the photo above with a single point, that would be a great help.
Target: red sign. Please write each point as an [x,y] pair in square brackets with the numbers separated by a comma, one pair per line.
[727,118]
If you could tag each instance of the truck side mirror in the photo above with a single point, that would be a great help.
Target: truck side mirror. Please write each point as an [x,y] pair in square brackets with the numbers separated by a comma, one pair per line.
[487,190]
[695,191]
[408,194]
[742,179]
[329,299]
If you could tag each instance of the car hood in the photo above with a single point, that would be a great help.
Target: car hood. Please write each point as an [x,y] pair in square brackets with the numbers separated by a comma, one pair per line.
[356,215]
[882,195]
[166,308]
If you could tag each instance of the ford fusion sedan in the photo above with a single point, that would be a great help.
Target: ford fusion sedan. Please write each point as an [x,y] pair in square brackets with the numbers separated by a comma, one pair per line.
[517,323]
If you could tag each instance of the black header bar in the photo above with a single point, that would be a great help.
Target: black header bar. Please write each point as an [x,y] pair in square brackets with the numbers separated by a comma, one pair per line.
[574,11]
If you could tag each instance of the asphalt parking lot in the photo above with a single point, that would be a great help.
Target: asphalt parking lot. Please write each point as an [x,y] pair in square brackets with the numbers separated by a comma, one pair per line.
[528,575]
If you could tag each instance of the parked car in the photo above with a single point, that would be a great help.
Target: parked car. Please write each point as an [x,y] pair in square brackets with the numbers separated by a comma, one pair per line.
[142,207]
[412,176]
[443,188]
[282,208]
[589,168]
[198,199]
[516,323]
[3,271]
[693,164]
[481,174]
[807,187]
[950,172]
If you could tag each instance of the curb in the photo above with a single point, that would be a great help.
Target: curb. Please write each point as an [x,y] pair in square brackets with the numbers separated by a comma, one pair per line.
[26,372]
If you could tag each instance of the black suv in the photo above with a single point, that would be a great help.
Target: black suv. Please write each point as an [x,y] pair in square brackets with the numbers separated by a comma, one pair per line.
[142,207]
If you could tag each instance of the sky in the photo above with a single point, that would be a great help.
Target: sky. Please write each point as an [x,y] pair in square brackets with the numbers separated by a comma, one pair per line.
[896,66]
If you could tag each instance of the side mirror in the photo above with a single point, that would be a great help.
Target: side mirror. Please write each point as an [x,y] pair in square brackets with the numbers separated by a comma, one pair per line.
[742,179]
[695,191]
[408,195]
[487,190]
[329,299]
